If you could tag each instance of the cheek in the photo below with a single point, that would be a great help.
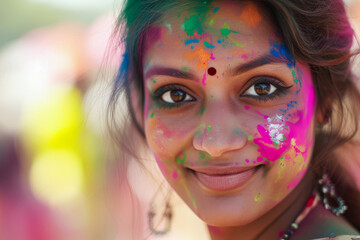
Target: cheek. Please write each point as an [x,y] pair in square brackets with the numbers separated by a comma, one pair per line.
[165,138]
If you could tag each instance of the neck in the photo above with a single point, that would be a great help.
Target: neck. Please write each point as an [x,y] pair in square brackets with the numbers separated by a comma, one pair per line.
[274,221]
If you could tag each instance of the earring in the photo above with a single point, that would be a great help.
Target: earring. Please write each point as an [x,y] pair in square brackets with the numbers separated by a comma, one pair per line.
[328,195]
[167,215]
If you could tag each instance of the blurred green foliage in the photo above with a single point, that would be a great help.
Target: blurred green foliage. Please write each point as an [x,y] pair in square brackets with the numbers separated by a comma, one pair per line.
[19,16]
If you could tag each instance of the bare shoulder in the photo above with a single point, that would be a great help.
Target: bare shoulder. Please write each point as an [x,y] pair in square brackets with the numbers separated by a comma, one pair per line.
[322,224]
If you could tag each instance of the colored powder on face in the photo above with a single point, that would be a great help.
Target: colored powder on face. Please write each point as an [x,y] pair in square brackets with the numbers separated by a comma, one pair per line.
[169,27]
[199,54]
[238,131]
[193,24]
[250,15]
[295,79]
[257,197]
[201,155]
[181,159]
[282,52]
[246,107]
[209,127]
[197,134]
[212,56]
[185,68]
[215,9]
[203,110]
[204,79]
[219,41]
[266,145]
[211,22]
[152,115]
[187,42]
[250,138]
[175,174]
[259,159]
[247,160]
[208,45]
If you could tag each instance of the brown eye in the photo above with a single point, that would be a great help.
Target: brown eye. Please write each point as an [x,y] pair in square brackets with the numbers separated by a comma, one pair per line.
[176,96]
[261,89]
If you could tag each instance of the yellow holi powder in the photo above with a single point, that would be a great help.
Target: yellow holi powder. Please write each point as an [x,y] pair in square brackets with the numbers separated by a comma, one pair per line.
[250,15]
[257,197]
[200,55]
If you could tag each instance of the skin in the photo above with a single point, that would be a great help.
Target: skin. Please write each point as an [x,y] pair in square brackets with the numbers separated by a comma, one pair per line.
[222,123]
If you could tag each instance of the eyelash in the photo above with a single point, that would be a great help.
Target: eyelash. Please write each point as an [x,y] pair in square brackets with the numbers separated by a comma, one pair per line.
[280,90]
[162,90]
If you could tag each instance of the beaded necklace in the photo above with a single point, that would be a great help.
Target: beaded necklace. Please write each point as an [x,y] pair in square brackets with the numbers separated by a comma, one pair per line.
[310,204]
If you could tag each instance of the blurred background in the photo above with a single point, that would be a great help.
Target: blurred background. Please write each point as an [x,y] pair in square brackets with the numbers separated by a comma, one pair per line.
[58,177]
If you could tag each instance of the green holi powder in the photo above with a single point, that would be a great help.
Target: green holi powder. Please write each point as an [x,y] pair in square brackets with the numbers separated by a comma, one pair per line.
[211,96]
[284,138]
[184,68]
[237,131]
[282,164]
[295,79]
[203,110]
[202,155]
[197,133]
[193,24]
[169,27]
[226,30]
[250,138]
[153,81]
[282,158]
[211,138]
[208,45]
[152,115]
[209,127]
[181,159]
[211,22]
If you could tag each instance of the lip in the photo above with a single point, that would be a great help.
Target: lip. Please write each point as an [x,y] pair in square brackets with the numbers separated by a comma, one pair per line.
[227,178]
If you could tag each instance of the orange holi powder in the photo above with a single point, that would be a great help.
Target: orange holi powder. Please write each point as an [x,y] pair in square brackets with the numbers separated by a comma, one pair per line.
[250,15]
[200,55]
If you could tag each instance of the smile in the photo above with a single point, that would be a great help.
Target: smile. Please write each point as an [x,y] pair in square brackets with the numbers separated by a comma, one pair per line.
[224,179]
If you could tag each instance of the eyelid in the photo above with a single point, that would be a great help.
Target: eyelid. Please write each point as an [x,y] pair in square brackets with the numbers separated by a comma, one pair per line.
[163,89]
[275,82]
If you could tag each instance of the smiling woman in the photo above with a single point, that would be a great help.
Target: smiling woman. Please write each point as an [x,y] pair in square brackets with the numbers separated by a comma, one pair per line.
[236,100]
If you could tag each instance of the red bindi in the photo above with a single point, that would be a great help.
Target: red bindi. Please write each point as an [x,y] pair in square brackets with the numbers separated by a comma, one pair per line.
[211,71]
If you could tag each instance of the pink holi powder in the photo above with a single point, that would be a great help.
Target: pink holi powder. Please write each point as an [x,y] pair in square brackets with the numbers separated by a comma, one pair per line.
[259,159]
[266,145]
[204,79]
[175,174]
[247,160]
[244,56]
[212,56]
[246,107]
[265,116]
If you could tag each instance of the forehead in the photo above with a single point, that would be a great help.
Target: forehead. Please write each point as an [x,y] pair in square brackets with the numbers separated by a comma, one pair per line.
[226,31]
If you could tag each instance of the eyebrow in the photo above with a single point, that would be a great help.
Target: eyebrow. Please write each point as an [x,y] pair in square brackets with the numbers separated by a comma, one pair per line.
[169,72]
[261,61]
[258,62]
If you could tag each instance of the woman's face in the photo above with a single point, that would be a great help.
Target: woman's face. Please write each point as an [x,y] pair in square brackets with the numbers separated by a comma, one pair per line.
[229,113]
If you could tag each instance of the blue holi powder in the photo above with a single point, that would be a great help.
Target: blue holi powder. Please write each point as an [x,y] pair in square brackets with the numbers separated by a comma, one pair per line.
[187,42]
[192,47]
[215,9]
[219,41]
[290,105]
[281,51]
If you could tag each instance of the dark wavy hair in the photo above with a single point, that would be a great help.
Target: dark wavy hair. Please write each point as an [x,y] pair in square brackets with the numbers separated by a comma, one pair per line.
[317,32]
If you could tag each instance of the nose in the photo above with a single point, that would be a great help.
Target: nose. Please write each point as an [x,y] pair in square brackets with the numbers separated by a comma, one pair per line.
[219,133]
